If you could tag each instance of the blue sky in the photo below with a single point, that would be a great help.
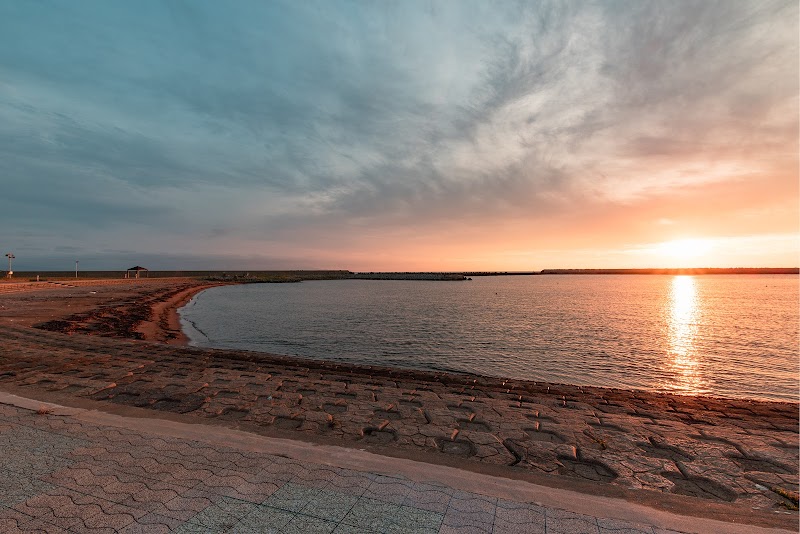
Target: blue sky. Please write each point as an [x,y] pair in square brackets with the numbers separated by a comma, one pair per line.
[397,135]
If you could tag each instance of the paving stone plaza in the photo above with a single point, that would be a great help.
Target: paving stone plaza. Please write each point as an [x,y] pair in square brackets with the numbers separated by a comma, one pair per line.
[61,474]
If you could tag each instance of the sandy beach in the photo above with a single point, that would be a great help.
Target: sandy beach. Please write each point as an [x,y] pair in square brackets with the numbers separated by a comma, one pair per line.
[116,346]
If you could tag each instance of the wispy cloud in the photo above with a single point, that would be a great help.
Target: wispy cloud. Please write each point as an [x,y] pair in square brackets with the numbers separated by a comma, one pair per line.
[256,126]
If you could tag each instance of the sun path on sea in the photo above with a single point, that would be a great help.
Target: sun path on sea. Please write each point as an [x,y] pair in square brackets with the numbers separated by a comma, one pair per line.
[103,433]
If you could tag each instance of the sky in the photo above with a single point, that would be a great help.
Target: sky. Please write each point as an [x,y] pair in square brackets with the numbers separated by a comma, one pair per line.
[408,135]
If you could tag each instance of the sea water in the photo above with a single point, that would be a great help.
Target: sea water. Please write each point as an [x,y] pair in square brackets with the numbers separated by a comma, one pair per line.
[723,335]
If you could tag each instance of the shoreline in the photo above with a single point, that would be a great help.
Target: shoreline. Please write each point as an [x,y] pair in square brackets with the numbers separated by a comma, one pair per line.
[716,451]
[779,398]
[166,325]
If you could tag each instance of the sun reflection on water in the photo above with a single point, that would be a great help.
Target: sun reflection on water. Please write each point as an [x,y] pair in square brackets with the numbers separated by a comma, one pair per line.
[684,311]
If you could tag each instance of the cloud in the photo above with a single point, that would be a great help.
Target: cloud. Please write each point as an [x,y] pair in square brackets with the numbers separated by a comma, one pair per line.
[201,122]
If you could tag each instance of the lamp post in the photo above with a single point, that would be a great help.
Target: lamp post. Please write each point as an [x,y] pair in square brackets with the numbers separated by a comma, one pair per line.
[76,268]
[10,257]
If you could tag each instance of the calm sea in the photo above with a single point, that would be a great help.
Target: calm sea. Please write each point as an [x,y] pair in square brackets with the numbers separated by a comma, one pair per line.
[730,335]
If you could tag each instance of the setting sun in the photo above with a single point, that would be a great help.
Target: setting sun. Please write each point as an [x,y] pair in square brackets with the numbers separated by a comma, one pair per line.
[685,248]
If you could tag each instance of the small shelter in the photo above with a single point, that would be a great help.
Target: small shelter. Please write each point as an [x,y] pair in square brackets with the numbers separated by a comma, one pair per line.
[136,270]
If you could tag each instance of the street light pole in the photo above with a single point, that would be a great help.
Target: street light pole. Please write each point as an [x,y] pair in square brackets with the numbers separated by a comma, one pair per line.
[10,257]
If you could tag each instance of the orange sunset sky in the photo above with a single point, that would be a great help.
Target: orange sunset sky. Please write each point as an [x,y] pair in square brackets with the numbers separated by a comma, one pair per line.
[407,136]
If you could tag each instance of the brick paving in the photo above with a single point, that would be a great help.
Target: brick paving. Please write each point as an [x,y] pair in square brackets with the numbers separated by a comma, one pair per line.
[60,474]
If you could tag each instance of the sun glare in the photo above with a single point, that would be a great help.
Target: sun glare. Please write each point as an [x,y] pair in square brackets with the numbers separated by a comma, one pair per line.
[685,248]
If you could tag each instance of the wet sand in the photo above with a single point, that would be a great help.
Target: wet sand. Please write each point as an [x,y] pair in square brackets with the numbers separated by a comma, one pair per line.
[117,347]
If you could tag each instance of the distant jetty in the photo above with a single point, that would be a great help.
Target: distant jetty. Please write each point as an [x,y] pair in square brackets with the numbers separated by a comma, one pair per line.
[410,276]
[299,276]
